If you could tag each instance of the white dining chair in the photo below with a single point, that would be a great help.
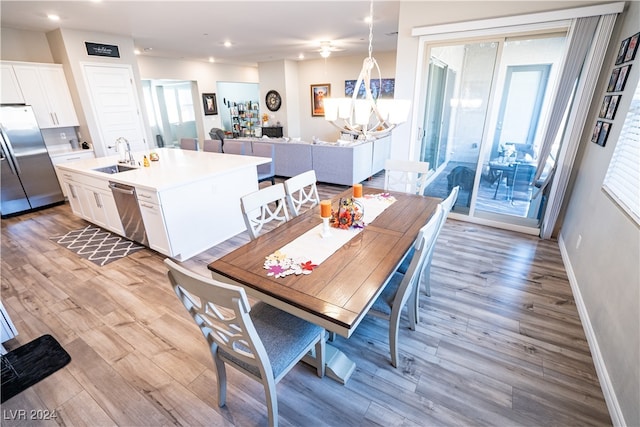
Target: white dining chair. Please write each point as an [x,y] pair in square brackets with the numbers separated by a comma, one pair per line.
[264,206]
[302,191]
[212,145]
[405,175]
[447,205]
[424,282]
[267,171]
[262,341]
[189,144]
[400,289]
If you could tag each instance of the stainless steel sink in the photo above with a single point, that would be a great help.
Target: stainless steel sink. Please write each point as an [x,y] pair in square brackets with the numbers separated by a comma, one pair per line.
[114,169]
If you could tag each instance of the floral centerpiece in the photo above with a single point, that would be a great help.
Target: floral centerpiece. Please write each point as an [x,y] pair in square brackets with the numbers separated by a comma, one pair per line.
[265,119]
[350,214]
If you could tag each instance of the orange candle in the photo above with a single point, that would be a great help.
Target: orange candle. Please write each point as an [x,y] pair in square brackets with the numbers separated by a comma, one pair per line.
[357,190]
[325,208]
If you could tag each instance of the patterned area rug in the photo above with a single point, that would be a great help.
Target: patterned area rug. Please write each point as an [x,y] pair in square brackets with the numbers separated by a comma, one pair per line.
[97,245]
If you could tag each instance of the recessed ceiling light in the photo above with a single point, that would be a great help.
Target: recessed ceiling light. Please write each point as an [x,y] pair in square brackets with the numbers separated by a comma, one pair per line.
[301,56]
[368,19]
[211,59]
[227,44]
[53,17]
[147,49]
[136,51]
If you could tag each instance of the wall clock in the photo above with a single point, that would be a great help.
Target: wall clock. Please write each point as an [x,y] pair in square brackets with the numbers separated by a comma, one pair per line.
[273,100]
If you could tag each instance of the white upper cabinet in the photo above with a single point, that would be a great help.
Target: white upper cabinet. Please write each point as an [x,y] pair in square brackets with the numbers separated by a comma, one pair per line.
[10,92]
[44,87]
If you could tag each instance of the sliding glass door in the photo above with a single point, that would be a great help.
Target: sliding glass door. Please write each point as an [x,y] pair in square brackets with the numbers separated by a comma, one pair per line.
[486,105]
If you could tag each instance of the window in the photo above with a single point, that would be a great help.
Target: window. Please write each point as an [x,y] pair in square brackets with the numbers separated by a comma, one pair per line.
[622,181]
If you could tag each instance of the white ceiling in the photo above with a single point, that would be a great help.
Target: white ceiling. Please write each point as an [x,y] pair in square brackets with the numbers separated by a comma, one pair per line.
[196,30]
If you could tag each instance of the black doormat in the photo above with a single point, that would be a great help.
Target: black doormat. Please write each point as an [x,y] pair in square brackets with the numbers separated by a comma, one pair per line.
[97,245]
[30,363]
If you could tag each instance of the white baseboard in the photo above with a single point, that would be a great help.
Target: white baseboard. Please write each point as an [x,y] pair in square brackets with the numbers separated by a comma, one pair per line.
[617,417]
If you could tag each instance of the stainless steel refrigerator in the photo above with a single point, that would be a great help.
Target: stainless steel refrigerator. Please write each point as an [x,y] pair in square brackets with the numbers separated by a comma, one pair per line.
[28,179]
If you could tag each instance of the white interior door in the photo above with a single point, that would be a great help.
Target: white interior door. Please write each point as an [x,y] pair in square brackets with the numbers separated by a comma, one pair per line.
[115,106]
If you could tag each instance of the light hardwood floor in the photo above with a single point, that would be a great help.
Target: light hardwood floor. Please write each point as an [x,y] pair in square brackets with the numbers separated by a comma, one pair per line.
[500,342]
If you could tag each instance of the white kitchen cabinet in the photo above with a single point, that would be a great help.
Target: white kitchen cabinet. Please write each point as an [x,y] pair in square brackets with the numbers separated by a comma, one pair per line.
[105,211]
[154,223]
[79,200]
[60,158]
[45,88]
[91,199]
[10,92]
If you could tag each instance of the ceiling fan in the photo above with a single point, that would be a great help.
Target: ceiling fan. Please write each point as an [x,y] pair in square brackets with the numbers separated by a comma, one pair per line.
[326,47]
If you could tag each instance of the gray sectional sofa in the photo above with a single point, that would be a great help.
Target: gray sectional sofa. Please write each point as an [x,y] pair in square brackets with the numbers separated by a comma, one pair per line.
[334,164]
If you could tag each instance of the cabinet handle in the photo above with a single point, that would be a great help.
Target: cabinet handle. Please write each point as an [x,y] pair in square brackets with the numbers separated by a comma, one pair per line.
[67,175]
[144,205]
[97,197]
[56,116]
[68,159]
[53,120]
[144,195]
[73,191]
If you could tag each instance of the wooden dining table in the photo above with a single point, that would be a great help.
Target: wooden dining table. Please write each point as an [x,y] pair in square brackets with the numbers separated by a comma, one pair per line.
[340,290]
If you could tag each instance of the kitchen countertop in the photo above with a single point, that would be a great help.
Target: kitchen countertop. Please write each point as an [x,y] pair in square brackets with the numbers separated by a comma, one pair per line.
[175,168]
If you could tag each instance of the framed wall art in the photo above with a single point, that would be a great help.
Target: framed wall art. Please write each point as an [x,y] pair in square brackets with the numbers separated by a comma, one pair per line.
[210,104]
[318,92]
[613,79]
[613,107]
[605,106]
[622,51]
[632,48]
[380,88]
[622,78]
[596,131]
[603,134]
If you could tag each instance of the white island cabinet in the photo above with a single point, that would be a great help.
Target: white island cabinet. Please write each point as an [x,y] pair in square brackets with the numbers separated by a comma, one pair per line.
[189,200]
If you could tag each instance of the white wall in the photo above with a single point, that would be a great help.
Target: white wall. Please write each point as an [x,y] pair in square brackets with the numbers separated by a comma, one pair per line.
[28,46]
[605,264]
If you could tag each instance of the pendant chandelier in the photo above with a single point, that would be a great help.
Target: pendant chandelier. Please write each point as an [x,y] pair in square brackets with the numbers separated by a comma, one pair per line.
[368,117]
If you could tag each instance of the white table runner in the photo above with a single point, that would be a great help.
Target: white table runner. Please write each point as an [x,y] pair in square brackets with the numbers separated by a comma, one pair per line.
[310,249]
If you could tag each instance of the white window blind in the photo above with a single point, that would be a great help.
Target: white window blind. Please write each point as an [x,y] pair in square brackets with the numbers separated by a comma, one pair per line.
[622,181]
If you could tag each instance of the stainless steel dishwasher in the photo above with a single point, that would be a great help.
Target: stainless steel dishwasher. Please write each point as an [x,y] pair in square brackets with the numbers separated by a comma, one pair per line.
[129,210]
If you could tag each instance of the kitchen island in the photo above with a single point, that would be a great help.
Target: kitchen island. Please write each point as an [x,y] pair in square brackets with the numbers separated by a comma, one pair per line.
[189,201]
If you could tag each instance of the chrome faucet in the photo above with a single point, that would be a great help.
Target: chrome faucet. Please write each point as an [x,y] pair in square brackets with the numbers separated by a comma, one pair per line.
[127,154]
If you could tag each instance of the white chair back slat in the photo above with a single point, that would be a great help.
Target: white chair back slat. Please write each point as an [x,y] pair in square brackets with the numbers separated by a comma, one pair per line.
[302,191]
[405,175]
[264,206]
